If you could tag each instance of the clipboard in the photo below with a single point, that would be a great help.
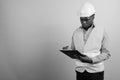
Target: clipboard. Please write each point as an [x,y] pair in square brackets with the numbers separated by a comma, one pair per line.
[72,53]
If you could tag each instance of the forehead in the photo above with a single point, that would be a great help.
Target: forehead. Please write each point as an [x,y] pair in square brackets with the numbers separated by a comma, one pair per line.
[86,18]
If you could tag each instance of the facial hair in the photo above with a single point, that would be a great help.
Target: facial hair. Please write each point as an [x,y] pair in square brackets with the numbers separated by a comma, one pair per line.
[86,28]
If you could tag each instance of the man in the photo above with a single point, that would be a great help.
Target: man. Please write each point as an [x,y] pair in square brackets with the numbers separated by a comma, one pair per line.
[92,41]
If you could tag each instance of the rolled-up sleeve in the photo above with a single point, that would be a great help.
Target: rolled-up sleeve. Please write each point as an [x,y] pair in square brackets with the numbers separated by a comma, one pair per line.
[105,54]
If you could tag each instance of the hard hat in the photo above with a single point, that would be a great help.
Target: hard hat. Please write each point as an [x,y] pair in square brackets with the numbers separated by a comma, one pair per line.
[87,10]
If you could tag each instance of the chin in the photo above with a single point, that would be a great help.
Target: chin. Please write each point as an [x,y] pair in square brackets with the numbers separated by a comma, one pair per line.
[85,26]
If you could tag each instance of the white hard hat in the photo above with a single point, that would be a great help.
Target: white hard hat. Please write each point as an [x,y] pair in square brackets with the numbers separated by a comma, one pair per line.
[87,10]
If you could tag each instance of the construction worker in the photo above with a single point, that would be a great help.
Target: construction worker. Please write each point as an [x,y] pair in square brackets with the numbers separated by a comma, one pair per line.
[92,41]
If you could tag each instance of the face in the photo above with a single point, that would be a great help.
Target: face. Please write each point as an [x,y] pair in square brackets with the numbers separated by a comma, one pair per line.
[87,21]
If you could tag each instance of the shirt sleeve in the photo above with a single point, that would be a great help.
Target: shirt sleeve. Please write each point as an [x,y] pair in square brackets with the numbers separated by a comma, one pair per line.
[105,54]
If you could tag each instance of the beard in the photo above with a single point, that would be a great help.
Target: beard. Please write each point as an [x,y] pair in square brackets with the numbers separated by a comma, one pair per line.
[86,27]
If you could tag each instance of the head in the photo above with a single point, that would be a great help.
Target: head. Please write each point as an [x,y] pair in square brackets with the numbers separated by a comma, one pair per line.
[87,21]
[87,15]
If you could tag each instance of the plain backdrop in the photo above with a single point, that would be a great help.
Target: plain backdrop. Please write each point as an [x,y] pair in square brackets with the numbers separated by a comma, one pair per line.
[33,31]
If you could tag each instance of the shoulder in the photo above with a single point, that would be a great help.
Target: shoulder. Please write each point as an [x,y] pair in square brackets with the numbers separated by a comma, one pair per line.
[99,28]
[79,29]
[103,31]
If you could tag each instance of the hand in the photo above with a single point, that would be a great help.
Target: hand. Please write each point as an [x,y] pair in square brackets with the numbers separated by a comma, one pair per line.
[65,48]
[85,59]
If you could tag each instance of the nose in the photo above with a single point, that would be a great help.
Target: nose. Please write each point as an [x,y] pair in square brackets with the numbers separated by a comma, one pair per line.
[84,22]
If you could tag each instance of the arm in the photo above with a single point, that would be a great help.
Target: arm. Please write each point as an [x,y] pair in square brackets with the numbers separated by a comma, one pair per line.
[105,54]
[70,47]
[102,57]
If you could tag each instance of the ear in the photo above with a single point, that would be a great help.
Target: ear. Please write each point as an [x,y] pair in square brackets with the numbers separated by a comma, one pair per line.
[93,16]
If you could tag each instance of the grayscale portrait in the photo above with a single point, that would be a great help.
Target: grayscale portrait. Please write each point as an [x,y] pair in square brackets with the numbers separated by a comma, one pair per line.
[59,39]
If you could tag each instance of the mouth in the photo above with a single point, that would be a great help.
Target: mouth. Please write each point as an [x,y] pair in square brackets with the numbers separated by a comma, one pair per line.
[85,25]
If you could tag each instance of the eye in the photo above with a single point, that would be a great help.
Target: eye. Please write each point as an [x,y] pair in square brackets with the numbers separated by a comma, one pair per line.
[84,19]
